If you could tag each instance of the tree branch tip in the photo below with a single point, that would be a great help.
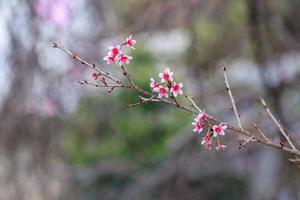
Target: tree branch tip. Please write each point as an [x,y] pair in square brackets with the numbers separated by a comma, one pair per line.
[83,82]
[54,45]
[222,66]
[127,105]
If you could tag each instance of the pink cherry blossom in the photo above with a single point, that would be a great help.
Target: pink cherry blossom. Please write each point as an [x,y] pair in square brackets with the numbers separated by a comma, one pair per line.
[109,59]
[124,59]
[162,91]
[176,89]
[219,129]
[166,76]
[207,141]
[114,51]
[154,84]
[202,116]
[220,147]
[198,127]
[130,42]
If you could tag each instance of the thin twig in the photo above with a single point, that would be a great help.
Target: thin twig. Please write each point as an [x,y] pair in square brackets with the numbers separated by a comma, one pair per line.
[127,75]
[237,116]
[142,100]
[153,98]
[82,61]
[251,139]
[84,82]
[285,135]
[194,104]
[175,100]
[261,133]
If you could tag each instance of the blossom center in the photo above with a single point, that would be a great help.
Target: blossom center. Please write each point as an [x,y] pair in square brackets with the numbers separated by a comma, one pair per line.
[199,125]
[166,76]
[176,87]
[123,58]
[162,90]
[115,51]
[218,129]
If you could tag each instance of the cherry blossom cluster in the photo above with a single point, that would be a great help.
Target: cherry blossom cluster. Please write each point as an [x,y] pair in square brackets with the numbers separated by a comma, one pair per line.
[213,131]
[115,54]
[166,86]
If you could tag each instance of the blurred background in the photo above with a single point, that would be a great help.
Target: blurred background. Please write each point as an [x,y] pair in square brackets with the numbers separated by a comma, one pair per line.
[60,140]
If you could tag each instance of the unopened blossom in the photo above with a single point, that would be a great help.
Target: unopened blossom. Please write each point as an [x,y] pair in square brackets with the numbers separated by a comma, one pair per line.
[219,129]
[198,127]
[95,76]
[124,59]
[176,89]
[207,141]
[220,147]
[154,84]
[166,76]
[162,91]
[130,42]
[109,59]
[114,51]
[202,116]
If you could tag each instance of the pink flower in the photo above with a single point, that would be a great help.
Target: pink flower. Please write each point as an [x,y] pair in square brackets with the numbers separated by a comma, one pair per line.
[198,127]
[109,59]
[220,147]
[202,116]
[167,75]
[219,129]
[95,76]
[154,84]
[124,59]
[114,51]
[162,91]
[130,42]
[207,141]
[176,89]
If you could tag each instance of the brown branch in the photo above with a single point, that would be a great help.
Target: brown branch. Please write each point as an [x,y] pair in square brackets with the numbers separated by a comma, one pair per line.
[285,135]
[237,116]
[153,98]
[194,104]
[261,133]
[82,61]
[84,82]
[127,74]
[251,139]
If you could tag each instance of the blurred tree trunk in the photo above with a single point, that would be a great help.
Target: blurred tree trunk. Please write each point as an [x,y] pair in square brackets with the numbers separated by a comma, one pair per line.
[258,18]
[24,139]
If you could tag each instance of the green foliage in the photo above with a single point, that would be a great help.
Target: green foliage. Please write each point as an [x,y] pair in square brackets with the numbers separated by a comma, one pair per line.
[236,13]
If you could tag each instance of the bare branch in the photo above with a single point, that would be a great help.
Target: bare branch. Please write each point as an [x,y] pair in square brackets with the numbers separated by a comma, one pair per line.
[285,135]
[251,139]
[194,104]
[82,61]
[237,116]
[127,75]
[153,98]
[261,133]
[84,82]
